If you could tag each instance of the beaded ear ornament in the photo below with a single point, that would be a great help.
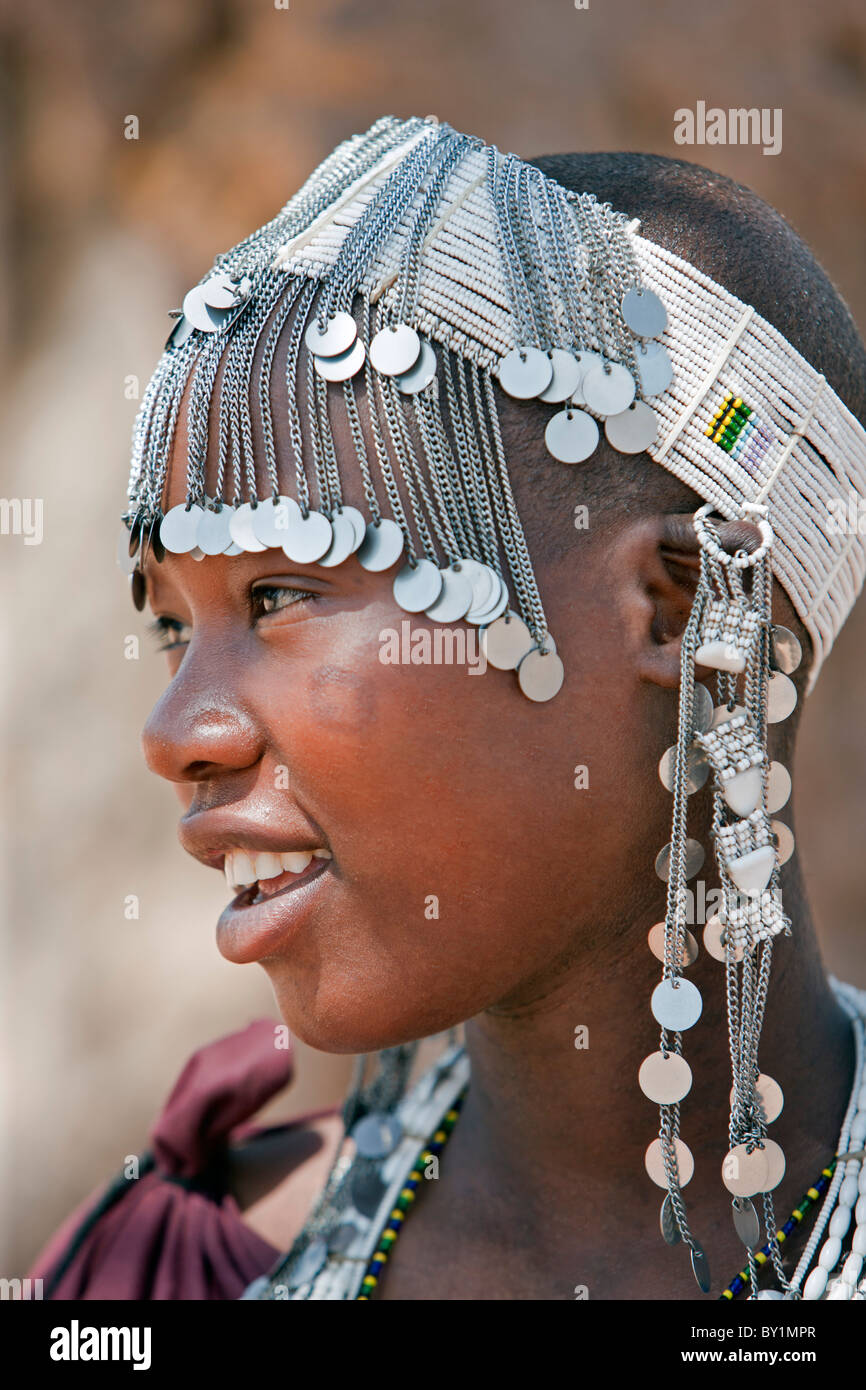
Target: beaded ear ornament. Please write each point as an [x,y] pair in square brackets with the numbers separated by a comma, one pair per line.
[730,631]
[372,274]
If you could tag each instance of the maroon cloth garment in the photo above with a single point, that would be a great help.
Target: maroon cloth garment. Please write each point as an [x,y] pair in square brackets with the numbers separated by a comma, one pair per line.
[174,1232]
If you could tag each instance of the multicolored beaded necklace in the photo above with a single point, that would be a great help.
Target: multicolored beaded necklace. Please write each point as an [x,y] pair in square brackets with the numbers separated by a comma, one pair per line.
[434,1147]
[406,1199]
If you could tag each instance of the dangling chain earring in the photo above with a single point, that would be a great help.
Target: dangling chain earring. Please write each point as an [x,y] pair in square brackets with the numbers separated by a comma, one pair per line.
[730,630]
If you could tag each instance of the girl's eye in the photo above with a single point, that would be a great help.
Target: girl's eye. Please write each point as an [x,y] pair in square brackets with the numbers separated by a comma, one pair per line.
[270,598]
[169,633]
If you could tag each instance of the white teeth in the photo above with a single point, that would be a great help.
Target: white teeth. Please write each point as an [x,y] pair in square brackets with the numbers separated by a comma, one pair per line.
[296,860]
[322,854]
[239,869]
[267,866]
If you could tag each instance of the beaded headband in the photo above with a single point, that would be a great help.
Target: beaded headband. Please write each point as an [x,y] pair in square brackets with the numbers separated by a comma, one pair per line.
[429,268]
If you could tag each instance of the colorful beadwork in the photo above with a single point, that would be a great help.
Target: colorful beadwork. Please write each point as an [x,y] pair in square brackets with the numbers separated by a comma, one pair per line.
[812,1195]
[403,1204]
[732,420]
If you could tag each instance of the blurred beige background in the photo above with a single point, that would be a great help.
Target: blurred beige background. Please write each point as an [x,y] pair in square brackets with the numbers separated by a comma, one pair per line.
[237,101]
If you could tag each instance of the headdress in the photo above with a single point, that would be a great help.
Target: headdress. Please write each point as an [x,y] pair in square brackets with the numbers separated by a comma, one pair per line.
[431,270]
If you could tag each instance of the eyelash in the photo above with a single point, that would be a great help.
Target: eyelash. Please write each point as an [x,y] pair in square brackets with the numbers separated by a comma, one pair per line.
[168,632]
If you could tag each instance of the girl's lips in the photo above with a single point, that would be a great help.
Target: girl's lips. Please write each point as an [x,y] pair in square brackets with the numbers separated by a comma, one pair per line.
[257,923]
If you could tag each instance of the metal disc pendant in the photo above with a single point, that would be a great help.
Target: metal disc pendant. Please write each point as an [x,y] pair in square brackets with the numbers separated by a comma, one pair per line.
[344,366]
[179,529]
[565,379]
[241,530]
[769,1098]
[495,608]
[368,1189]
[394,351]
[308,538]
[571,436]
[701,1268]
[702,708]
[484,581]
[785,837]
[181,330]
[382,546]
[694,858]
[609,389]
[721,714]
[778,787]
[668,1223]
[272,519]
[540,675]
[746,1223]
[665,1080]
[213,530]
[744,1173]
[697,769]
[713,943]
[152,542]
[781,697]
[654,368]
[656,943]
[200,314]
[417,586]
[343,1237]
[338,336]
[454,598]
[418,378]
[506,642]
[632,431]
[233,549]
[359,525]
[785,650]
[308,1263]
[220,291]
[525,372]
[342,542]
[655,1163]
[377,1134]
[138,589]
[676,1004]
[585,361]
[126,561]
[775,1165]
[644,313]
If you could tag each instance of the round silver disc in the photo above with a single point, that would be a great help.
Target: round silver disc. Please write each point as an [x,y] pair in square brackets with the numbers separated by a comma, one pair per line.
[785,649]
[484,583]
[497,605]
[213,530]
[338,336]
[241,529]
[342,542]
[345,365]
[540,675]
[769,1096]
[585,361]
[656,943]
[694,855]
[571,436]
[525,372]
[668,1223]
[359,525]
[609,389]
[743,1173]
[654,368]
[781,697]
[632,431]
[644,313]
[506,641]
[272,518]
[416,588]
[702,704]
[382,546]
[454,599]
[179,529]
[308,538]
[775,1165]
[377,1134]
[220,291]
[778,787]
[566,376]
[126,561]
[655,1164]
[201,314]
[785,837]
[394,351]
[721,714]
[419,377]
[746,1223]
[233,548]
[368,1189]
[713,940]
[665,1080]
[697,769]
[676,1004]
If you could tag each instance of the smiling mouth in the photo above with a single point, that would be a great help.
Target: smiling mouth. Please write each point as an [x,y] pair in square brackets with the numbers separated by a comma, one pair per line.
[260,876]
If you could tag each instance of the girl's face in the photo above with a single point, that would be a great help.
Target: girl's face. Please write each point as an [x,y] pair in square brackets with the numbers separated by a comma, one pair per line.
[481,845]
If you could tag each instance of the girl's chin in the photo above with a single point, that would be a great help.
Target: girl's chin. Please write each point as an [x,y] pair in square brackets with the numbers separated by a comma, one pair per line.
[340,1030]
